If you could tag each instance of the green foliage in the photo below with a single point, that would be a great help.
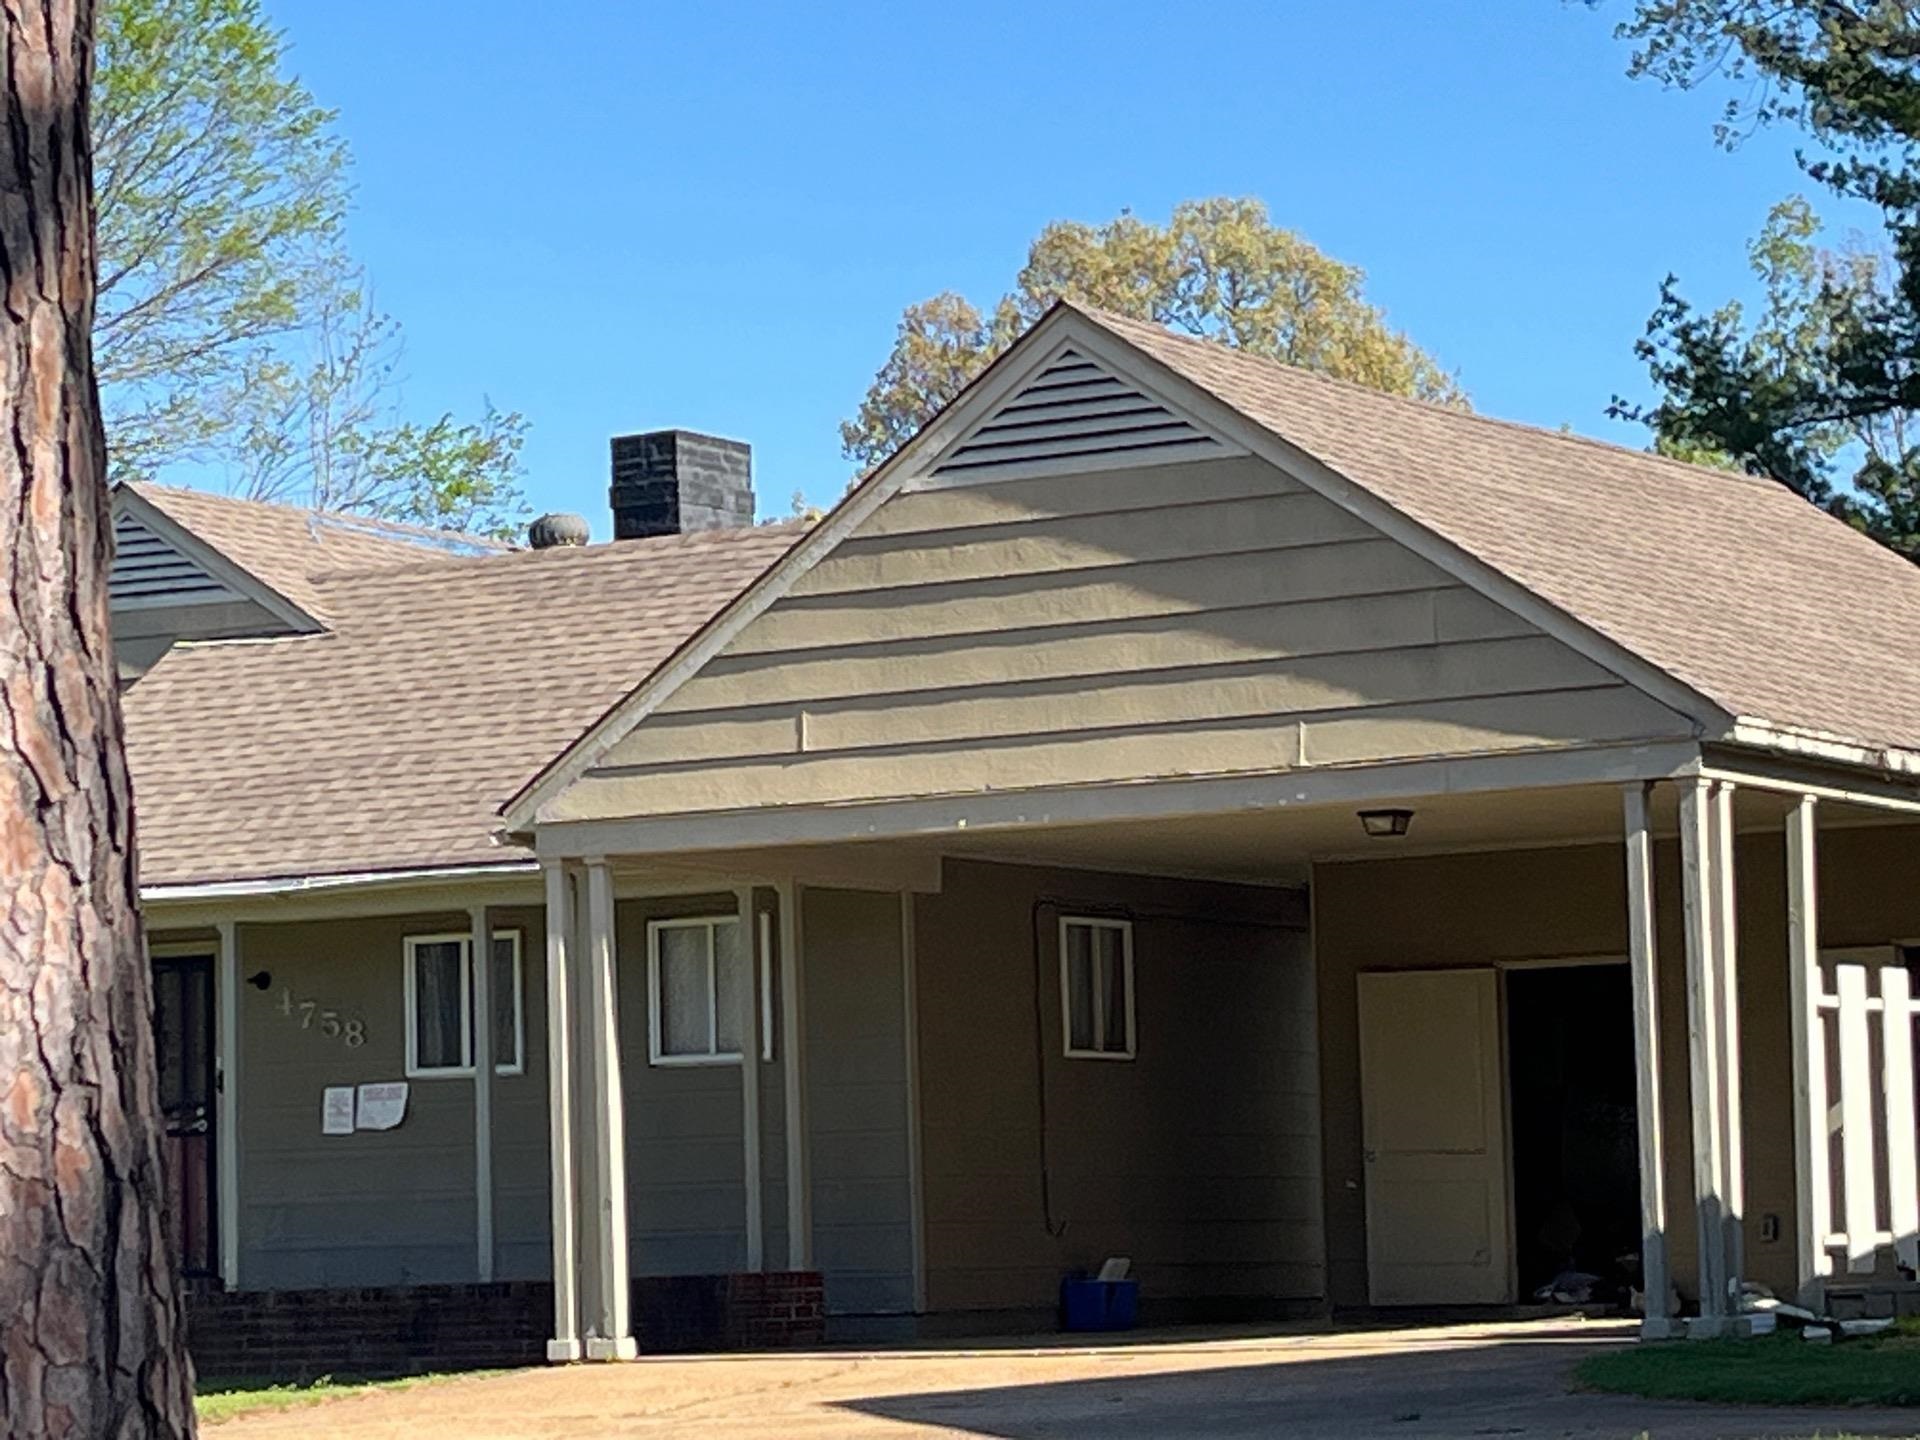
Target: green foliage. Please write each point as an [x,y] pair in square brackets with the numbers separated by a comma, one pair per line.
[1219,269]
[1775,1370]
[233,333]
[221,192]
[1819,386]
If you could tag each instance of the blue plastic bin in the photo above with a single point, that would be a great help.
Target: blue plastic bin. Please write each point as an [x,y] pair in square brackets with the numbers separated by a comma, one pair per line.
[1099,1304]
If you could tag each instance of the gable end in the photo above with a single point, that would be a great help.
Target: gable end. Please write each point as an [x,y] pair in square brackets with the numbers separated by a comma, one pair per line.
[1076,413]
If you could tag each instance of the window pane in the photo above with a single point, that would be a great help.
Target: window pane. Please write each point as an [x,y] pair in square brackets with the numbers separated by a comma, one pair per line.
[1079,997]
[439,1035]
[683,991]
[730,969]
[1113,975]
[506,1005]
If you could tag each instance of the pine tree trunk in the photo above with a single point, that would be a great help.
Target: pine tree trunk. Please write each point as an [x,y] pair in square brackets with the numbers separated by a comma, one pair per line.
[91,1336]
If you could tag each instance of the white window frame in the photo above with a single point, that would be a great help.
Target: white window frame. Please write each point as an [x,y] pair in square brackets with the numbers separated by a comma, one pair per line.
[415,1070]
[656,1053]
[1125,929]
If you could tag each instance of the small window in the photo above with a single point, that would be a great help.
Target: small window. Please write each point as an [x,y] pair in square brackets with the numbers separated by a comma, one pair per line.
[440,1005]
[695,971]
[1096,988]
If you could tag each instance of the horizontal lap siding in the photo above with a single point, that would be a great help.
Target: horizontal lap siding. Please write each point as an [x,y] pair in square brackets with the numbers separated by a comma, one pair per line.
[377,1208]
[686,1151]
[857,1100]
[1198,1160]
[1206,619]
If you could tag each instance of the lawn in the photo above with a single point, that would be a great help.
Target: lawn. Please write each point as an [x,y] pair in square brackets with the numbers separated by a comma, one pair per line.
[219,1400]
[1778,1370]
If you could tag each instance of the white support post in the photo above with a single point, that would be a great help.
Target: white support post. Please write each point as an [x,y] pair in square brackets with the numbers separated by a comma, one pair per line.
[1812,1139]
[564,1345]
[227,1107]
[1697,854]
[1903,1168]
[792,1028]
[481,942]
[1643,949]
[1726,953]
[615,1338]
[750,1078]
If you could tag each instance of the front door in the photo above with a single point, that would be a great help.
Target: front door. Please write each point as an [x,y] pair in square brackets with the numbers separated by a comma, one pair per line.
[183,1030]
[1433,1126]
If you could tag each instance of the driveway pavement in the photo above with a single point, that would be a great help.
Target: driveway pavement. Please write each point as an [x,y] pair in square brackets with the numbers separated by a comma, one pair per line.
[1457,1383]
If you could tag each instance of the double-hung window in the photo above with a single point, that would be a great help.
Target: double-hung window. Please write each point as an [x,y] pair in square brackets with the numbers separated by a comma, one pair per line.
[440,1004]
[1096,987]
[696,974]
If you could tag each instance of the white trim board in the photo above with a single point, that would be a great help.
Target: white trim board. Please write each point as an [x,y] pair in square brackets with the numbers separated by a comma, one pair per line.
[913,468]
[1276,790]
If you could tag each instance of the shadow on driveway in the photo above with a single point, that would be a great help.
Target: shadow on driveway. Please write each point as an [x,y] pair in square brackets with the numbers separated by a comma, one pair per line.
[1429,1385]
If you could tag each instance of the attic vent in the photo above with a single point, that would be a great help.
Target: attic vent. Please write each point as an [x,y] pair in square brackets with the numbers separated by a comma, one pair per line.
[147,571]
[1075,410]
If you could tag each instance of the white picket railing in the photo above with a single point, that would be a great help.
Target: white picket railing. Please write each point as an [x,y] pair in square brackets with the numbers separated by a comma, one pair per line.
[1865,1193]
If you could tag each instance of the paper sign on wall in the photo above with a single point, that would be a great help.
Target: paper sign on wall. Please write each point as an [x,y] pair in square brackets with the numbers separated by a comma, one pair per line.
[382,1106]
[336,1110]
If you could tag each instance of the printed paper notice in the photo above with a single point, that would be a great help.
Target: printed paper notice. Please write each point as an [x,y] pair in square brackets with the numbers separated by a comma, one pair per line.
[336,1110]
[382,1106]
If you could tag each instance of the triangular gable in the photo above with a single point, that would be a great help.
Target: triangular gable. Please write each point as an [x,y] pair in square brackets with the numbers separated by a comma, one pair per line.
[167,579]
[846,545]
[1075,413]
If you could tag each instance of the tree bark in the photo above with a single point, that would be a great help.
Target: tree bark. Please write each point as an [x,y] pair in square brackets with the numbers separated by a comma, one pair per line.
[91,1336]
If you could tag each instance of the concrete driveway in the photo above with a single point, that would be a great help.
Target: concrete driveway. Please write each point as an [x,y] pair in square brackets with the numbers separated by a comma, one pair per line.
[1460,1383]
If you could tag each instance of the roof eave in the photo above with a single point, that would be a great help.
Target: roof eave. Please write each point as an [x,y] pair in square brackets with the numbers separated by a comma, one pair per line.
[1758,734]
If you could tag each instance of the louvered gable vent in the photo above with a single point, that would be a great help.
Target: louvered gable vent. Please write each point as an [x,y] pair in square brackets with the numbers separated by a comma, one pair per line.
[148,570]
[1076,414]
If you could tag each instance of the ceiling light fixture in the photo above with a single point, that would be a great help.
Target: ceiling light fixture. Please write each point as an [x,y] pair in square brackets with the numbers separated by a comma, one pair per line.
[1385,824]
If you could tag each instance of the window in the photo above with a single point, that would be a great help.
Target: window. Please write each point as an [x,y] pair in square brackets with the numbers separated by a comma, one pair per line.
[1096,988]
[695,971]
[439,983]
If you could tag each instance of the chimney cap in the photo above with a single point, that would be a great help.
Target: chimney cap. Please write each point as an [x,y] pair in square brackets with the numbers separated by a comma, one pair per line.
[558,529]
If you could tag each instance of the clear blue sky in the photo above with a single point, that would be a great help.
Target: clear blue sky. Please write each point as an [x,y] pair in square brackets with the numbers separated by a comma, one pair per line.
[616,217]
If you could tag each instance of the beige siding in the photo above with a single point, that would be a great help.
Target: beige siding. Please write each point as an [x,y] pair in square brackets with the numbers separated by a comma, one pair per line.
[1213,618]
[1517,906]
[388,1208]
[1199,1159]
[686,1151]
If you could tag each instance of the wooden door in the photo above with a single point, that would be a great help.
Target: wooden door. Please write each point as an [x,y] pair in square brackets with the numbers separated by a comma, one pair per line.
[1434,1131]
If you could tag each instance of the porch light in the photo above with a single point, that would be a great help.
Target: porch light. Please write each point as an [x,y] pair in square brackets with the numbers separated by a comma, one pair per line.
[1385,824]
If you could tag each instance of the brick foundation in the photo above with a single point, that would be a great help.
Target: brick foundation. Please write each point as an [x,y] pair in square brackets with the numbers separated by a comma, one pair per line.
[289,1334]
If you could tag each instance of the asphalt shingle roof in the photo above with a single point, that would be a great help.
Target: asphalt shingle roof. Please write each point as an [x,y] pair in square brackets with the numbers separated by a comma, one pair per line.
[390,740]
[1732,584]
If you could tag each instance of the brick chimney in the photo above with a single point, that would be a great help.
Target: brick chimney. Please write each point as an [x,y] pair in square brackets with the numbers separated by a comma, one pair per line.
[667,482]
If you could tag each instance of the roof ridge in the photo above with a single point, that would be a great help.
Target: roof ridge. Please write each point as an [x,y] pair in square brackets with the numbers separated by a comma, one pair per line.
[1114,320]
[670,541]
[375,525]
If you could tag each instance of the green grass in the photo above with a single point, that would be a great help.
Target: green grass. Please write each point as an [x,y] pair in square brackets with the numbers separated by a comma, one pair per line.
[1776,1370]
[219,1400]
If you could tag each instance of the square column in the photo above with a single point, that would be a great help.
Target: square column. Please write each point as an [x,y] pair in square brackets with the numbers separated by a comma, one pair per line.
[565,1343]
[1643,951]
[1813,1221]
[1713,1048]
[610,1333]
[480,972]
[749,953]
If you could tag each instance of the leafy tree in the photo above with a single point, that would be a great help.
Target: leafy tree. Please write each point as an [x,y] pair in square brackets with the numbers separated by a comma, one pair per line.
[233,332]
[1819,387]
[91,1324]
[1219,269]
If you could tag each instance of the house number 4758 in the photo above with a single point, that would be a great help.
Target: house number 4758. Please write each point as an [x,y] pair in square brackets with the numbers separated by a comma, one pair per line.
[350,1031]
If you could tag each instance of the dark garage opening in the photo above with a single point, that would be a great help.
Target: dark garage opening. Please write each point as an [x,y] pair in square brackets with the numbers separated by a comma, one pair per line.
[1576,1170]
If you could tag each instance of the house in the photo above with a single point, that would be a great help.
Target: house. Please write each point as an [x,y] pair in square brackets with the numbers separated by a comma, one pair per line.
[1334,851]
